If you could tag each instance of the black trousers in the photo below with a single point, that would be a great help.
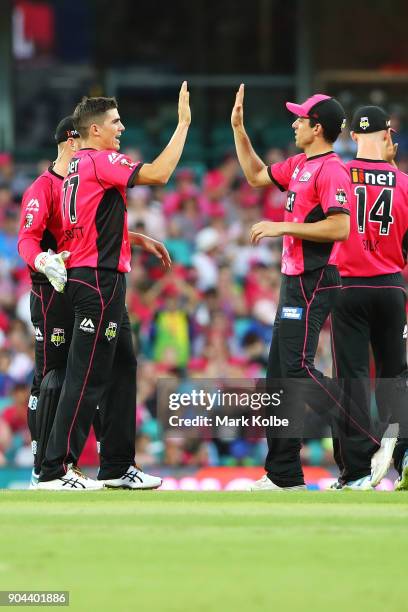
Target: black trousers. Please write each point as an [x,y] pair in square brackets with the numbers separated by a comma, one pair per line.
[372,311]
[305,303]
[101,365]
[52,318]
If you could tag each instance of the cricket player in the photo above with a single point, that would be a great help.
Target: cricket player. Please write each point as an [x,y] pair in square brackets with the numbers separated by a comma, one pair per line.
[317,219]
[371,309]
[94,220]
[40,244]
[51,311]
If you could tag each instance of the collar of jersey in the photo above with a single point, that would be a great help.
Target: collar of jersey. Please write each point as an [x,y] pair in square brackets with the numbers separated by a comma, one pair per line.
[88,149]
[51,170]
[320,155]
[371,161]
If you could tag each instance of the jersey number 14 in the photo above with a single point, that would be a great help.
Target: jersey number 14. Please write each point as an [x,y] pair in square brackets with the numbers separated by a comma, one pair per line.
[380,212]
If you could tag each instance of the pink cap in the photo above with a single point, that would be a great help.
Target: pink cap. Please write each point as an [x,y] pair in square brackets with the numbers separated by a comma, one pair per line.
[302,110]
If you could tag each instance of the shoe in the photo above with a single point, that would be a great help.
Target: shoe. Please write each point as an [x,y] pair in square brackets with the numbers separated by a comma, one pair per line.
[361,484]
[401,484]
[266,484]
[335,486]
[134,478]
[73,480]
[33,481]
[381,460]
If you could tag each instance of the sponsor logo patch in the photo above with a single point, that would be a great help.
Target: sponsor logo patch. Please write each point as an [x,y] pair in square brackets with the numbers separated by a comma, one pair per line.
[38,334]
[32,402]
[295,172]
[28,220]
[305,177]
[72,134]
[289,312]
[381,178]
[341,197]
[58,336]
[364,123]
[87,326]
[73,166]
[290,201]
[111,330]
[126,162]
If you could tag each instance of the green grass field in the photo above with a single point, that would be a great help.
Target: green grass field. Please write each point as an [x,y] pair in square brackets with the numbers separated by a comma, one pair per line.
[120,550]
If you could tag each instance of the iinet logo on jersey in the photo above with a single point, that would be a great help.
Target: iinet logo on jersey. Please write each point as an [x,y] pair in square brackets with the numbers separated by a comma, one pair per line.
[87,326]
[373,177]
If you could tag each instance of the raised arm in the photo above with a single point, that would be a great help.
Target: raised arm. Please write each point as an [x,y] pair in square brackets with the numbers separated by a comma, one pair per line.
[161,169]
[252,166]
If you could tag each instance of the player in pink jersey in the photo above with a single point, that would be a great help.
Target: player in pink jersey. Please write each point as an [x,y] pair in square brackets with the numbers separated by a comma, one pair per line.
[371,309]
[316,220]
[51,313]
[101,360]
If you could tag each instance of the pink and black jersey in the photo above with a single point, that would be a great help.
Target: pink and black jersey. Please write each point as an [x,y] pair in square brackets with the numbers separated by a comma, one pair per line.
[94,214]
[40,220]
[378,241]
[317,186]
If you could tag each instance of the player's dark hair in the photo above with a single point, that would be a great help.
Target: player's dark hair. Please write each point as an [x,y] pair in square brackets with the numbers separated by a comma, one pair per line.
[90,110]
[330,134]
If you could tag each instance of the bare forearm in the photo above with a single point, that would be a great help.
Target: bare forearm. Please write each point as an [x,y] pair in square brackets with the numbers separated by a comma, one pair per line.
[135,239]
[328,230]
[253,167]
[161,169]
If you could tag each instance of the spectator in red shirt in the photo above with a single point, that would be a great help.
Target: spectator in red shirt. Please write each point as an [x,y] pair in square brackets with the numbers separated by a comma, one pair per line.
[14,417]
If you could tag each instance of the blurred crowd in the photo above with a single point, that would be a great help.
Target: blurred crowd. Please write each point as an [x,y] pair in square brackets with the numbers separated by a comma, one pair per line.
[211,316]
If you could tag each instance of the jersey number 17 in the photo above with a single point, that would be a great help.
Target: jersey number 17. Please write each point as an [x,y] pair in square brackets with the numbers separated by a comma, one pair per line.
[70,189]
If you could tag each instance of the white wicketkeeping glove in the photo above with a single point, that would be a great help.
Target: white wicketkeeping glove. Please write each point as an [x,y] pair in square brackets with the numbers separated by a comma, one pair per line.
[52,265]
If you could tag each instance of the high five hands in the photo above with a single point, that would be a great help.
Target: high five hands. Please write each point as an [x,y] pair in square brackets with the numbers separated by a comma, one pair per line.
[184,112]
[237,115]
